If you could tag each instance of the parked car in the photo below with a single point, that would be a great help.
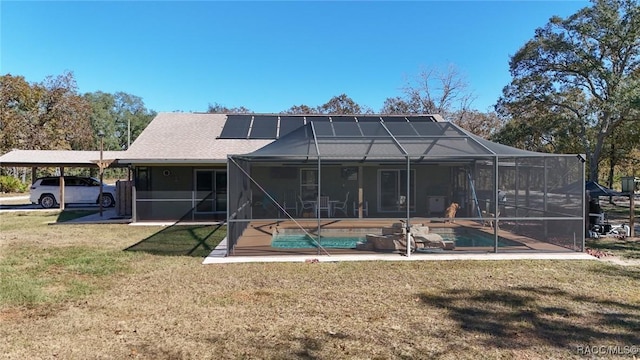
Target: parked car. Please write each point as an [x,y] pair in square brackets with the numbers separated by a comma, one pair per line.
[77,190]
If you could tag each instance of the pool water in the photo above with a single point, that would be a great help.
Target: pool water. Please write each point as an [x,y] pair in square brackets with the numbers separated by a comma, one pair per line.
[479,240]
[303,241]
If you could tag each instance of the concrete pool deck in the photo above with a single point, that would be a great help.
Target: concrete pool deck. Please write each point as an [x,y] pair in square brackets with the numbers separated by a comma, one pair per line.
[216,258]
[255,246]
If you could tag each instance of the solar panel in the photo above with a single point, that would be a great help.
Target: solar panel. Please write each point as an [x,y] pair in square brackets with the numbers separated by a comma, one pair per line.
[317,118]
[401,129]
[323,129]
[341,118]
[368,118]
[394,118]
[236,127]
[434,129]
[373,129]
[421,118]
[350,129]
[264,127]
[289,124]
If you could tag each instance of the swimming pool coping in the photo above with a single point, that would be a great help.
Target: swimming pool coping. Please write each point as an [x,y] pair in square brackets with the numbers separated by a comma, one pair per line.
[570,255]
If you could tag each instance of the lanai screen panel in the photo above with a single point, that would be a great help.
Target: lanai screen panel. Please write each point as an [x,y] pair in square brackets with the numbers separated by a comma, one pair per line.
[480,173]
[394,140]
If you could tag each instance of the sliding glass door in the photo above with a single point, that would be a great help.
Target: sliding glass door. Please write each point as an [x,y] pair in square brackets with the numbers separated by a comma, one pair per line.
[211,191]
[392,190]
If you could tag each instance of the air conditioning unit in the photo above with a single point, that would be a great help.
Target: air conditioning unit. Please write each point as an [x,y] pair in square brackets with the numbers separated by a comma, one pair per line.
[435,204]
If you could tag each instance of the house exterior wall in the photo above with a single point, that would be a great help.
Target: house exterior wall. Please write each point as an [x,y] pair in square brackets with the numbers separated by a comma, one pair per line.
[284,184]
[167,193]
[430,181]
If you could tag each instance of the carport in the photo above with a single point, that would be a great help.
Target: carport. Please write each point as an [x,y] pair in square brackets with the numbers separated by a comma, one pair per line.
[60,159]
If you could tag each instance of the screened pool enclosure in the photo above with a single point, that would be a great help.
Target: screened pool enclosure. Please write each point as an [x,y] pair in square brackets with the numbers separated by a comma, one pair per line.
[364,176]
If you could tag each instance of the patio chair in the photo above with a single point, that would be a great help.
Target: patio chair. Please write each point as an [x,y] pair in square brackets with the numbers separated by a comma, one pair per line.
[323,205]
[290,202]
[341,206]
[306,206]
[365,208]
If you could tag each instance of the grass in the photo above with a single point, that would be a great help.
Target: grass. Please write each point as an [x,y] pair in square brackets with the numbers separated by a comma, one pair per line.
[626,248]
[105,291]
[190,240]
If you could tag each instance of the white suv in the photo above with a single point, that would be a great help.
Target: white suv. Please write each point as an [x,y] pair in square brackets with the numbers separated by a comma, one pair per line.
[77,190]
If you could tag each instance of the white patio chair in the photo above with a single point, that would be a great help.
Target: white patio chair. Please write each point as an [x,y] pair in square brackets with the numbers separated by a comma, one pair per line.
[306,205]
[365,208]
[323,205]
[341,206]
[290,203]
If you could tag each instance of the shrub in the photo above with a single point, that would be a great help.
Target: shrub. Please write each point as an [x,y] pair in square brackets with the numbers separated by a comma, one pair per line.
[12,184]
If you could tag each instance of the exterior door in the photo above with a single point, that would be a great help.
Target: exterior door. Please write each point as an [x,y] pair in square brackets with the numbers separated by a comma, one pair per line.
[211,191]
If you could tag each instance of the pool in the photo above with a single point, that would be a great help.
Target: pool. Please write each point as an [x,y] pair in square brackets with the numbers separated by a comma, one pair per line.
[478,240]
[304,241]
[292,240]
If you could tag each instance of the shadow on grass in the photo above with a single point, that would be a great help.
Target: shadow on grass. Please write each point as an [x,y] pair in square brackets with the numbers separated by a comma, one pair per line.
[183,240]
[617,271]
[67,215]
[530,317]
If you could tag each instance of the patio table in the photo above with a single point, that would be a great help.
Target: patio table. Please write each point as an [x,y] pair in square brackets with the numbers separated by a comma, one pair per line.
[332,203]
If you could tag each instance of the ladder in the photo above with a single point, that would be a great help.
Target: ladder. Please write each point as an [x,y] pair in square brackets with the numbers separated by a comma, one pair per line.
[475,197]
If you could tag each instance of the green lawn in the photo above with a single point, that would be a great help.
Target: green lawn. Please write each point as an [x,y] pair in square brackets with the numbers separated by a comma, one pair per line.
[119,291]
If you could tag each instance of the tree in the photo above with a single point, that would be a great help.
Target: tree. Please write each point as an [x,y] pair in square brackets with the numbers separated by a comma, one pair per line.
[621,151]
[299,110]
[478,123]
[18,111]
[445,93]
[121,117]
[340,105]
[216,108]
[48,115]
[103,118]
[432,92]
[397,105]
[576,80]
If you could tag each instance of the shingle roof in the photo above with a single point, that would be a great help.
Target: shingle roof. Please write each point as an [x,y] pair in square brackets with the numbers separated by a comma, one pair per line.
[52,158]
[186,137]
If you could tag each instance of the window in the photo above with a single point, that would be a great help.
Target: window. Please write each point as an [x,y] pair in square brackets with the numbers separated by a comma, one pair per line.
[50,182]
[308,183]
[143,179]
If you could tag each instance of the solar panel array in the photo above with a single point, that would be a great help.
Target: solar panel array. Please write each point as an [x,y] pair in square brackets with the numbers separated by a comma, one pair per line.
[275,126]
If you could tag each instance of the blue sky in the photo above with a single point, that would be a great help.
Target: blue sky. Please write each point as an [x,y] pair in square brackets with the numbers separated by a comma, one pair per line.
[268,56]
